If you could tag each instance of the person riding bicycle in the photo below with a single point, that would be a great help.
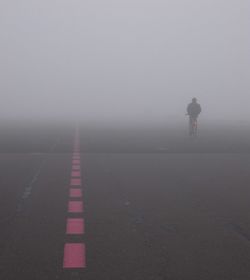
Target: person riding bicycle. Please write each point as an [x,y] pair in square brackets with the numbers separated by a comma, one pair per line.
[193,110]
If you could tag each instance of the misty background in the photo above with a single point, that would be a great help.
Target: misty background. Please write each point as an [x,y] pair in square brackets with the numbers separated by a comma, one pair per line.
[124,60]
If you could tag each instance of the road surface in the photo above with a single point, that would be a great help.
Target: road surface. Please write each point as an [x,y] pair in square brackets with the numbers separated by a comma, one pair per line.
[155,205]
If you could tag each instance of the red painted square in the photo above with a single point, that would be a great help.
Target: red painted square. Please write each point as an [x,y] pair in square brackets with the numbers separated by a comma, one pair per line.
[76,167]
[75,182]
[75,174]
[75,193]
[75,207]
[76,157]
[74,255]
[75,226]
[76,161]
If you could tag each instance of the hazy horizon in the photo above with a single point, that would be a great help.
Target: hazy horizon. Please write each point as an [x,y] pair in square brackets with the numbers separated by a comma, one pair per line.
[124,60]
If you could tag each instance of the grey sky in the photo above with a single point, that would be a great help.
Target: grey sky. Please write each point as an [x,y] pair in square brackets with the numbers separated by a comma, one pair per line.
[124,59]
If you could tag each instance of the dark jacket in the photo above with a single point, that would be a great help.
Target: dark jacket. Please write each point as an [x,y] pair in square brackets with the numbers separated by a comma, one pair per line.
[194,109]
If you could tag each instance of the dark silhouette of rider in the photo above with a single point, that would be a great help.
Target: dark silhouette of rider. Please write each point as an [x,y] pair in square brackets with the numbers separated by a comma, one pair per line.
[194,109]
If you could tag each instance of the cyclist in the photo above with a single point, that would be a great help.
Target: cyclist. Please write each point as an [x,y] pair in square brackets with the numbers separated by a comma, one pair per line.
[193,111]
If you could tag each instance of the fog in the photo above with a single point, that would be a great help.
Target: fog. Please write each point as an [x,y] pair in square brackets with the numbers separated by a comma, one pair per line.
[124,60]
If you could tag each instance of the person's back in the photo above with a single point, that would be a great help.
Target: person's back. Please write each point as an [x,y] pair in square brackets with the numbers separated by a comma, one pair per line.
[194,109]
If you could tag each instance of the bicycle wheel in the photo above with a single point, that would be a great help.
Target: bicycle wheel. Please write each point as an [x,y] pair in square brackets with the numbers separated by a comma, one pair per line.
[193,127]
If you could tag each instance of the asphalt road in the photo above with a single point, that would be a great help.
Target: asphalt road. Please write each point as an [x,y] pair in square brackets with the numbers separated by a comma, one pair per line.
[156,205]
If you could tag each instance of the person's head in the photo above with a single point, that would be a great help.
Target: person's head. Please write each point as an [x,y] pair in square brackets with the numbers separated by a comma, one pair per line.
[194,100]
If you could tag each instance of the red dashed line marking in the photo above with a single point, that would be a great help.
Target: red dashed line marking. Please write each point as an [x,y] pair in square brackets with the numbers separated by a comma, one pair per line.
[75,226]
[75,182]
[75,253]
[76,167]
[75,207]
[76,157]
[75,193]
[75,174]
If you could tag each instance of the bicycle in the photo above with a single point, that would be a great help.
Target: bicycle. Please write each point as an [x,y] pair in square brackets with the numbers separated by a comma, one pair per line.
[193,126]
